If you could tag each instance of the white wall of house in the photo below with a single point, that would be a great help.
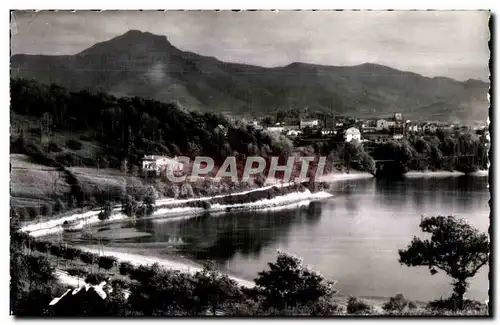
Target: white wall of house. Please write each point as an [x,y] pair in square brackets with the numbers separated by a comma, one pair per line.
[384,124]
[352,134]
[275,129]
[430,128]
[293,132]
[312,123]
[160,164]
[414,128]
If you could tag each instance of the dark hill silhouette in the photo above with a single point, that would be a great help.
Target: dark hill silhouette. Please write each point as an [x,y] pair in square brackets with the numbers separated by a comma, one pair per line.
[147,65]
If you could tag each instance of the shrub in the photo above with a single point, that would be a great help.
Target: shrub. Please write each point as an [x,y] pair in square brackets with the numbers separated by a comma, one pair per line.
[289,283]
[96,278]
[78,272]
[88,258]
[53,147]
[72,252]
[144,272]
[46,210]
[22,213]
[106,211]
[107,262]
[59,206]
[141,211]
[126,268]
[398,304]
[452,303]
[57,250]
[43,246]
[33,212]
[129,206]
[356,306]
[121,283]
[74,144]
[205,205]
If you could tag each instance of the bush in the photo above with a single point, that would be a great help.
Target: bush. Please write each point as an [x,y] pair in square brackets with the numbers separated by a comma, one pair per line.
[53,147]
[59,206]
[126,268]
[88,258]
[398,304]
[72,252]
[129,206]
[205,205]
[452,303]
[141,211]
[22,213]
[57,250]
[46,210]
[150,209]
[33,212]
[96,278]
[74,144]
[106,211]
[78,272]
[42,246]
[121,283]
[107,262]
[356,306]
[144,272]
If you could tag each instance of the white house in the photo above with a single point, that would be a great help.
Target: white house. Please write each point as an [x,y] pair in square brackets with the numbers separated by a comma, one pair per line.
[431,128]
[160,164]
[293,133]
[275,129]
[384,124]
[413,128]
[352,134]
[310,124]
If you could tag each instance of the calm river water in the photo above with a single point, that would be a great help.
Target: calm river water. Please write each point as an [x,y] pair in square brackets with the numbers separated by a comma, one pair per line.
[352,238]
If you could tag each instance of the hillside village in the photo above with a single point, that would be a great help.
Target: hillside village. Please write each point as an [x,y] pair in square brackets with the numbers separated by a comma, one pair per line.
[376,130]
[369,132]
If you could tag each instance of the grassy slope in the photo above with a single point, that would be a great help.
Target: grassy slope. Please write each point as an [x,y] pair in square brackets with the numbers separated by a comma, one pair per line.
[32,184]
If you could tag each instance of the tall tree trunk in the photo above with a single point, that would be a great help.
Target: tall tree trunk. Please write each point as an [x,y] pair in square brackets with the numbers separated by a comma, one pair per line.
[459,289]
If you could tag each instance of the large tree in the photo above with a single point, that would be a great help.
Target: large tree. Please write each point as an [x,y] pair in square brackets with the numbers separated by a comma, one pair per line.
[454,247]
[289,283]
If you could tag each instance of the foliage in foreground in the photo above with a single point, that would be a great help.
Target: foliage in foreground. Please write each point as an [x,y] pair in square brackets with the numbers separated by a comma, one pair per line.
[286,288]
[454,247]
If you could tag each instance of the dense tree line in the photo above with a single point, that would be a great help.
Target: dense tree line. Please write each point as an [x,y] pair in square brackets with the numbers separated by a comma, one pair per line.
[128,128]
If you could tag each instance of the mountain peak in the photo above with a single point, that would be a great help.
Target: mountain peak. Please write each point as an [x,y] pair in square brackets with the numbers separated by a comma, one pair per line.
[135,33]
[131,38]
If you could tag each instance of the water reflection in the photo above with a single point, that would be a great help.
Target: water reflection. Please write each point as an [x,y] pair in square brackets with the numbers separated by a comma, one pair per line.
[353,237]
[220,237]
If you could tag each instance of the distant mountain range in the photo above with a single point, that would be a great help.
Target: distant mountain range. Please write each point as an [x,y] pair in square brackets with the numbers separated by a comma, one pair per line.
[146,65]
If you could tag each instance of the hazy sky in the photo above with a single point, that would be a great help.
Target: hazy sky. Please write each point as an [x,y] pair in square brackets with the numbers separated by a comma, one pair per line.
[432,43]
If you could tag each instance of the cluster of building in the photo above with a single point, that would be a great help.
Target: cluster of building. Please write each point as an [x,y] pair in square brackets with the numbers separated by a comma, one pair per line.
[394,128]
[374,131]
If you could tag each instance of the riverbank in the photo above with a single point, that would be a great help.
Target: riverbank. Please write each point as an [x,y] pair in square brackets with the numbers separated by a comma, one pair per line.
[168,208]
[173,208]
[444,173]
